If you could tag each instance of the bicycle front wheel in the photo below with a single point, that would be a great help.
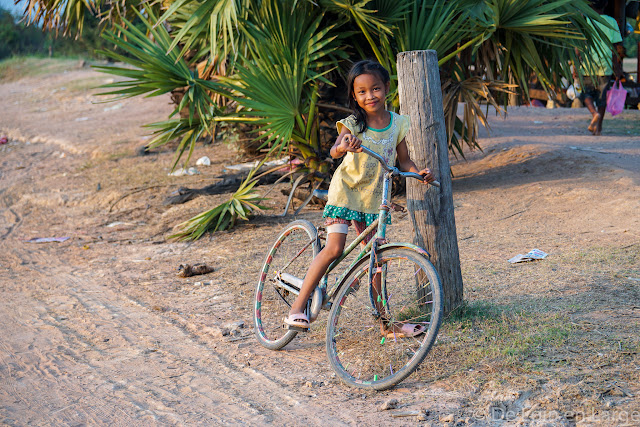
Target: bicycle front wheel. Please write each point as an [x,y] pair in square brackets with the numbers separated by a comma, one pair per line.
[369,336]
[291,254]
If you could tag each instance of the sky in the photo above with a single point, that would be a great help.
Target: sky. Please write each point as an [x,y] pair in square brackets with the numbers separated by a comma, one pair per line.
[16,10]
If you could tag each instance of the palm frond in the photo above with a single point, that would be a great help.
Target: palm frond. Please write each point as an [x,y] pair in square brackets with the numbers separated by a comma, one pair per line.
[372,26]
[224,216]
[61,14]
[181,128]
[156,73]
[212,20]
[69,16]
[287,53]
[468,92]
[437,25]
[527,35]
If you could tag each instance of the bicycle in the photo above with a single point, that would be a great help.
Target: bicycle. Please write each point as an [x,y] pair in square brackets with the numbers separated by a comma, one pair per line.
[363,340]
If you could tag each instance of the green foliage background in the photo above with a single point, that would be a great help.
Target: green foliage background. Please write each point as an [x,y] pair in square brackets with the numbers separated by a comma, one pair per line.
[630,42]
[269,64]
[17,39]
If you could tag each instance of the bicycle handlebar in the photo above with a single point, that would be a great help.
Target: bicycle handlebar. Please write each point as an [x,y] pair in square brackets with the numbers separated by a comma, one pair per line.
[394,170]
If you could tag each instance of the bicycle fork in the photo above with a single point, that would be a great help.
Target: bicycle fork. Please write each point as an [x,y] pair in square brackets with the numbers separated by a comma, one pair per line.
[377,291]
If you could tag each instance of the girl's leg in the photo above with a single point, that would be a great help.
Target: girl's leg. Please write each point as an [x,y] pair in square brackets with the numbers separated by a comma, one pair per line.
[332,250]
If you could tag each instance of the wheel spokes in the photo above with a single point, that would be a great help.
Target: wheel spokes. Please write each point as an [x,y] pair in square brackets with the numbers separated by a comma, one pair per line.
[378,351]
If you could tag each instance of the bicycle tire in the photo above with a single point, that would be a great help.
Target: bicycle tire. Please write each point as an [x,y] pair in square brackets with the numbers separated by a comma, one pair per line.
[271,302]
[357,349]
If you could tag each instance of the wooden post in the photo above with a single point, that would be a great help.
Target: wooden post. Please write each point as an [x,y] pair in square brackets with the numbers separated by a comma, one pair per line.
[430,208]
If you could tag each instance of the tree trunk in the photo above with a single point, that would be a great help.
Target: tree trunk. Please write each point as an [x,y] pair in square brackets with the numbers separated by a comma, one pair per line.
[513,97]
[430,208]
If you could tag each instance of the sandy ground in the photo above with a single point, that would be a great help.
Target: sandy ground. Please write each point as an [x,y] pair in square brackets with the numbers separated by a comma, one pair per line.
[99,330]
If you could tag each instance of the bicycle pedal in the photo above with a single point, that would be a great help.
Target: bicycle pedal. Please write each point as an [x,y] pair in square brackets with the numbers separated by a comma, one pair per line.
[295,328]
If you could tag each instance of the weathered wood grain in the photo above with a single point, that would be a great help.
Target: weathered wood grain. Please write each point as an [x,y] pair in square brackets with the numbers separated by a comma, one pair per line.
[430,208]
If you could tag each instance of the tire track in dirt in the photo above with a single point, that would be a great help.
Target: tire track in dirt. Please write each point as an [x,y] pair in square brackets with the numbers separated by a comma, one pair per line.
[41,371]
[10,225]
[11,218]
[9,392]
[107,360]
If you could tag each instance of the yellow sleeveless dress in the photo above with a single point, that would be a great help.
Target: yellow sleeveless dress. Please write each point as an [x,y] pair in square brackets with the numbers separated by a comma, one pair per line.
[355,192]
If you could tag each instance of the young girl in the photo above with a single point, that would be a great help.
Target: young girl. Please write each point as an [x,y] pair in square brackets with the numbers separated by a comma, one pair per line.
[355,192]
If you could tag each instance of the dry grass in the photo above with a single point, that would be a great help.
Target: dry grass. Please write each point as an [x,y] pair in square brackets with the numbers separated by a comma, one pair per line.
[622,125]
[17,68]
[571,328]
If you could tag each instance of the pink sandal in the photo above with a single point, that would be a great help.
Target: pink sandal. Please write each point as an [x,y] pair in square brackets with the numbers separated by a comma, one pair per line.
[406,331]
[297,320]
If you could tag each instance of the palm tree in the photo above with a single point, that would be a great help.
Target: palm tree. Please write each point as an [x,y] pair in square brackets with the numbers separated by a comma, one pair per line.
[269,60]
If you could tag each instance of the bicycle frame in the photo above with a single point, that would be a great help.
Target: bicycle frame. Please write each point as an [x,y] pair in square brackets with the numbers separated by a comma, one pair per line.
[380,271]
[380,223]
[372,246]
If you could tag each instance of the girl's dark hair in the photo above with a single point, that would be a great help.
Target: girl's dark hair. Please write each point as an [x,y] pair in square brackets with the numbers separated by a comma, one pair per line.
[366,66]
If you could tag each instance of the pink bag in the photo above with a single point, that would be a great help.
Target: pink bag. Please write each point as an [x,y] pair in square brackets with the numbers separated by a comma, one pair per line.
[615,98]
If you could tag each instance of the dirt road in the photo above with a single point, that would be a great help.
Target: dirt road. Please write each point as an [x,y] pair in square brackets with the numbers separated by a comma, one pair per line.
[74,351]
[99,330]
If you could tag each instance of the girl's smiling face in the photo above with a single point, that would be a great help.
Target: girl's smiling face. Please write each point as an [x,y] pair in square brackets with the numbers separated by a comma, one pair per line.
[370,91]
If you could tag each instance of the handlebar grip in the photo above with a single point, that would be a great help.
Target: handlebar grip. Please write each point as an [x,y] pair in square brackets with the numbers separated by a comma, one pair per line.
[419,177]
[386,167]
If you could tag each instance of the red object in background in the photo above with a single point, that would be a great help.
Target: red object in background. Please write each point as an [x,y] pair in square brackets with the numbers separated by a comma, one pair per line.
[3,140]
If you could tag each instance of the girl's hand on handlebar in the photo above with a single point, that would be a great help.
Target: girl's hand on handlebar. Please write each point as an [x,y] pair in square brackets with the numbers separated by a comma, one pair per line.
[349,143]
[427,176]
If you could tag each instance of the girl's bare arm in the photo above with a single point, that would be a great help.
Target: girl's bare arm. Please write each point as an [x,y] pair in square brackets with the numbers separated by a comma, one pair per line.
[344,143]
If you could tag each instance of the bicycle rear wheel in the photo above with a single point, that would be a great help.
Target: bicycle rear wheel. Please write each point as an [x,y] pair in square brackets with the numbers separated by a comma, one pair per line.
[292,253]
[365,345]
